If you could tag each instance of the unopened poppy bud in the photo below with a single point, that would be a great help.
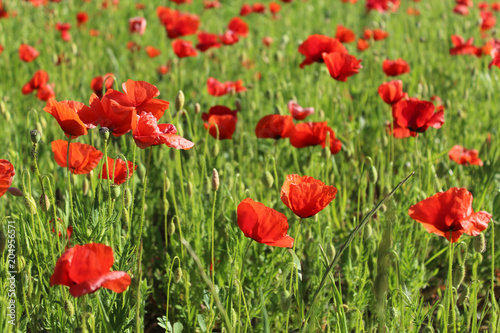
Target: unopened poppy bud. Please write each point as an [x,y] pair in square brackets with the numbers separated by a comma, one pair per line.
[125,215]
[115,191]
[179,101]
[458,276]
[383,208]
[479,243]
[141,170]
[238,104]
[104,132]
[30,204]
[69,309]
[3,241]
[309,234]
[85,186]
[463,296]
[268,179]
[44,203]
[285,301]
[166,206]
[177,274]
[208,185]
[215,180]
[368,231]
[215,149]
[20,264]
[127,198]
[15,191]
[197,108]
[330,251]
[190,189]
[171,228]
[36,136]
[166,185]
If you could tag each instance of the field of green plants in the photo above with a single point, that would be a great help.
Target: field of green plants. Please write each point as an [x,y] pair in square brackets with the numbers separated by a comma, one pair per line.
[242,166]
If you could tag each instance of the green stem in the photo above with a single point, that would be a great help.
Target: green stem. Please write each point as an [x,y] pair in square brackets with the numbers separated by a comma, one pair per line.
[72,219]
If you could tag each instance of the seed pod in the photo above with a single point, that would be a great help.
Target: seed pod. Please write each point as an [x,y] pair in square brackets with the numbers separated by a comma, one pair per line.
[479,243]
[285,301]
[458,276]
[171,228]
[268,179]
[127,198]
[36,136]
[179,101]
[215,180]
[125,215]
[69,309]
[177,274]
[44,203]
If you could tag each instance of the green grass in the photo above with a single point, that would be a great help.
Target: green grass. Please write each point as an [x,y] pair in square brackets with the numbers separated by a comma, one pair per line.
[392,276]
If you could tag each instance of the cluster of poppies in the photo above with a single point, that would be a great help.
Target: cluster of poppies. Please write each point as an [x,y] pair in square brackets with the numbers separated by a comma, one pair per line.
[305,196]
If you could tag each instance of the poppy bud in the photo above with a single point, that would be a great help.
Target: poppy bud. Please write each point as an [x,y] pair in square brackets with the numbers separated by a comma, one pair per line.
[127,198]
[331,252]
[238,104]
[372,171]
[197,108]
[141,170]
[115,191]
[190,189]
[463,296]
[309,234]
[179,101]
[368,231]
[85,186]
[36,136]
[208,185]
[285,301]
[166,185]
[268,179]
[479,243]
[177,274]
[20,264]
[44,203]
[383,208]
[215,180]
[171,228]
[2,241]
[166,206]
[69,309]
[104,132]
[15,191]
[458,276]
[30,204]
[125,215]
[215,150]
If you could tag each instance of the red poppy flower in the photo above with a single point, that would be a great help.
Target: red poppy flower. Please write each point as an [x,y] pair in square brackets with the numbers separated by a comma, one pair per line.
[482,6]
[1,48]
[263,224]
[67,115]
[314,47]
[99,82]
[362,45]
[274,8]
[238,26]
[350,1]
[183,49]
[383,5]
[64,29]
[82,158]
[461,10]
[137,25]
[152,52]
[211,4]
[379,34]
[46,92]
[298,112]
[133,46]
[495,6]
[464,156]
[229,38]
[82,18]
[120,170]
[391,92]
[216,88]
[488,21]
[95,33]
[367,34]
[496,59]
[246,10]
[224,118]
[341,65]
[345,35]
[313,134]
[206,41]
[6,174]
[274,126]
[450,212]
[177,23]
[163,69]
[395,67]
[468,3]
[267,41]
[258,8]
[180,2]
[27,53]
[85,269]
[149,133]
[306,196]
[462,47]
[40,79]
[417,116]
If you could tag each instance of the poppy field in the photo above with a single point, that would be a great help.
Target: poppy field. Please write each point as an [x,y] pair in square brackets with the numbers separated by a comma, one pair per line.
[249,166]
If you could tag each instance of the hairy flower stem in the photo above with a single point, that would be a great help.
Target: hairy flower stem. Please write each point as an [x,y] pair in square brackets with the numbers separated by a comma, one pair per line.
[72,218]
[450,303]
[293,272]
